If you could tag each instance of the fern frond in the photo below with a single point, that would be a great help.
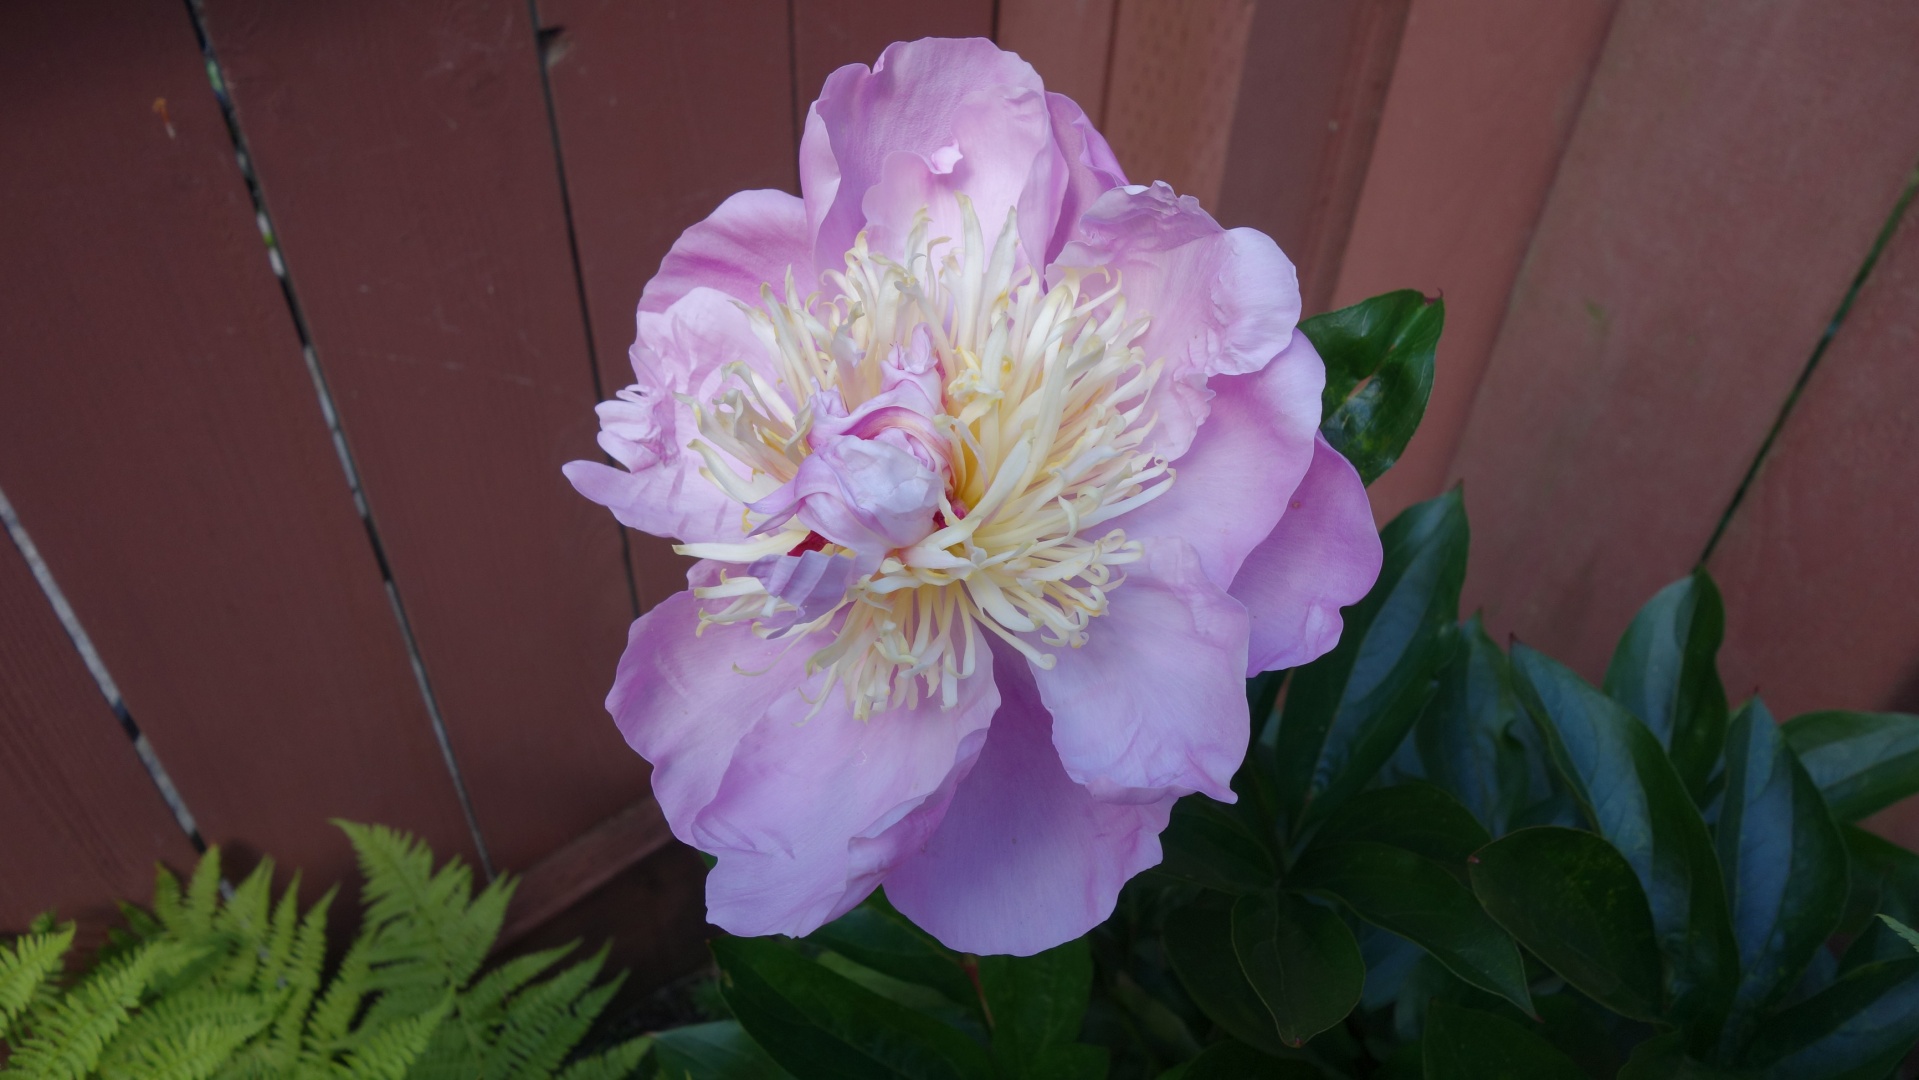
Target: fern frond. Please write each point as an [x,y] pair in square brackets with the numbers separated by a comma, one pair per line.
[27,970]
[67,1037]
[544,1022]
[388,1052]
[187,1035]
[618,1063]
[202,899]
[244,924]
[460,1046]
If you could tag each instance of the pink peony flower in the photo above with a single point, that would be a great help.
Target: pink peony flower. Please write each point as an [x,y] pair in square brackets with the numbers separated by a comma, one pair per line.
[1003,475]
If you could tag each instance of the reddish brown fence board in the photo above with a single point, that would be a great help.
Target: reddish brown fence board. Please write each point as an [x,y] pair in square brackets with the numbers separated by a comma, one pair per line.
[407,160]
[80,822]
[1729,170]
[1303,132]
[1067,41]
[1175,79]
[664,110]
[161,441]
[828,34]
[1820,566]
[1482,102]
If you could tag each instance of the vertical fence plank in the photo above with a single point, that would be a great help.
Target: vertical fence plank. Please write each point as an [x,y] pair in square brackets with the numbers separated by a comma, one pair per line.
[829,34]
[1820,565]
[1481,105]
[664,109]
[1170,98]
[1730,167]
[406,157]
[81,825]
[1067,41]
[160,439]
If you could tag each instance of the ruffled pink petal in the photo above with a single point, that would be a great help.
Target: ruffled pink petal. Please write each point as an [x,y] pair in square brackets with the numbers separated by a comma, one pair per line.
[1323,556]
[753,238]
[1233,483]
[1091,168]
[1025,859]
[812,813]
[1221,301]
[681,351]
[932,116]
[682,706]
[1155,702]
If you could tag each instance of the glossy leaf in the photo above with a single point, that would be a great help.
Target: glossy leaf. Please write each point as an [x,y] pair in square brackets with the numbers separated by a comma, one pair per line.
[1236,1061]
[1856,1029]
[1664,1057]
[1379,372]
[1863,762]
[717,1051]
[1783,857]
[1464,738]
[1417,898]
[1199,943]
[1208,844]
[1665,671]
[1907,933]
[1301,961]
[881,939]
[1348,711]
[817,1024]
[1628,789]
[1036,1004]
[1467,1044]
[1573,900]
[1417,816]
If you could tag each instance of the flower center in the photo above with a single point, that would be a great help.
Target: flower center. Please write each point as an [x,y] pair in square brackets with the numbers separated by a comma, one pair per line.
[931,450]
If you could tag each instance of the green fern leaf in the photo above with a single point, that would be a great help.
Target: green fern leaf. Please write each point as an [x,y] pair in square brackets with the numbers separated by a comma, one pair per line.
[187,1035]
[1904,931]
[68,1036]
[389,1051]
[618,1063]
[27,970]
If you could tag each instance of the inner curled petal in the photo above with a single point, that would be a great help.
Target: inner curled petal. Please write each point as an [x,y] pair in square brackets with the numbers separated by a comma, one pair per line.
[952,432]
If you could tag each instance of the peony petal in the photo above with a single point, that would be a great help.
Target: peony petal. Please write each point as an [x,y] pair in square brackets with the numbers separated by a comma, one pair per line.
[902,121]
[1323,556]
[813,812]
[1221,301]
[753,238]
[1025,858]
[683,707]
[1155,701]
[1234,481]
[1091,168]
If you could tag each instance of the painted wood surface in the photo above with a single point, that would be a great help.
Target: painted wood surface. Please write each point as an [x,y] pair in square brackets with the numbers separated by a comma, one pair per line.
[1729,170]
[1175,80]
[409,166]
[1482,103]
[1820,564]
[83,824]
[1067,41]
[662,110]
[1303,129]
[161,441]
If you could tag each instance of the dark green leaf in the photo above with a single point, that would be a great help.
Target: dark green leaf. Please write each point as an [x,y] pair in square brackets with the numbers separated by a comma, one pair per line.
[1856,1029]
[718,1051]
[1347,712]
[1199,942]
[1571,898]
[1665,671]
[1207,844]
[817,1024]
[1301,961]
[1379,371]
[1783,857]
[1906,933]
[1036,1004]
[1862,762]
[1893,869]
[1464,737]
[1418,899]
[1664,1058]
[1879,943]
[1466,1044]
[1237,1061]
[1413,815]
[1624,782]
[885,941]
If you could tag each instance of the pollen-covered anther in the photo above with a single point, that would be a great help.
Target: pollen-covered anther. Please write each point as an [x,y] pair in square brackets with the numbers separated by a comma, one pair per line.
[1006,419]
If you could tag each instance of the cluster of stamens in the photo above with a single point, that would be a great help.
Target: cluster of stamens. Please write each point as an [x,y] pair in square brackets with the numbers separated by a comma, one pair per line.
[1042,423]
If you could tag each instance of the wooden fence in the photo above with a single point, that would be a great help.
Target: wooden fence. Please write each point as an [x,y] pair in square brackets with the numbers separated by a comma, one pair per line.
[305,304]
